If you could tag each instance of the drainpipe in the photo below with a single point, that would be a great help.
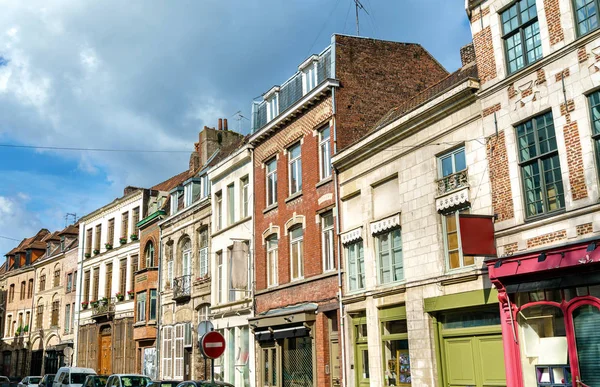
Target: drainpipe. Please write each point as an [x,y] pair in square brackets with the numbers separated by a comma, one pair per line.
[158,301]
[79,295]
[342,326]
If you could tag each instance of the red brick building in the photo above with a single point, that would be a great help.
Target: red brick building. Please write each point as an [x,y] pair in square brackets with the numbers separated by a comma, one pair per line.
[333,99]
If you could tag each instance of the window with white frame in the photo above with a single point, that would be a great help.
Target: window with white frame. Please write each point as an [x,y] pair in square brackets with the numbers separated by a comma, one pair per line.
[178,358]
[68,318]
[245,197]
[170,272]
[309,77]
[219,210]
[297,252]
[356,265]
[389,253]
[451,228]
[167,353]
[324,153]
[452,162]
[295,169]
[150,262]
[327,240]
[186,254]
[205,186]
[153,304]
[273,107]
[230,204]
[174,203]
[188,194]
[141,306]
[203,253]
[203,312]
[272,252]
[220,277]
[271,182]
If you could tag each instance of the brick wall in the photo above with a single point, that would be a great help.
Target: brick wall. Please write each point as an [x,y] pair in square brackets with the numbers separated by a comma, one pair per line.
[376,76]
[467,54]
[484,51]
[546,238]
[502,201]
[574,153]
[584,229]
[555,30]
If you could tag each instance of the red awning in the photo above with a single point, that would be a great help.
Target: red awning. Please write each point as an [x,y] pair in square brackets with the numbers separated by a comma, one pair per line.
[477,235]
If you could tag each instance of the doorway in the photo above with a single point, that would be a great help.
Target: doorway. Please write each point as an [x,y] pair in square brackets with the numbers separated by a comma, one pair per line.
[362,365]
[105,366]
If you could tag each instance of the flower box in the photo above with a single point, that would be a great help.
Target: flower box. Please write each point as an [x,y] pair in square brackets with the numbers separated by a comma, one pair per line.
[123,240]
[108,246]
[94,304]
[96,251]
[84,305]
[120,296]
[131,294]
[134,237]
[104,300]
[87,255]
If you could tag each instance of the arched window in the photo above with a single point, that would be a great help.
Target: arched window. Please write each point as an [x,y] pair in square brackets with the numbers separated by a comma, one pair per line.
[186,257]
[150,262]
[272,252]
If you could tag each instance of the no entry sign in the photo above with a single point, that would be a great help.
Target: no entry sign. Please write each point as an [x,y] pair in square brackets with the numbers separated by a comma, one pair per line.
[212,344]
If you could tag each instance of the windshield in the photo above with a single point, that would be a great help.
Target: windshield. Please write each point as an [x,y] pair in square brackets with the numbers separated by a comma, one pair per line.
[100,381]
[135,381]
[78,378]
[33,380]
[49,378]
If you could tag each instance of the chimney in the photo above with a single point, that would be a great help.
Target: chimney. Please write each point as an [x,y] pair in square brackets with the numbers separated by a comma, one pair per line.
[225,124]
[467,54]
[220,124]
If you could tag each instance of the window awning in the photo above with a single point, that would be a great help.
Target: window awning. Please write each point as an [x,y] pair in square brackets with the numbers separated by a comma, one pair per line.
[385,224]
[452,200]
[283,333]
[352,235]
[477,235]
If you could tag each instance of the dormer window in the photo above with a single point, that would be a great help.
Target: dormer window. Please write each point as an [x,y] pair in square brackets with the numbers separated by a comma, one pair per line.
[191,191]
[62,243]
[309,74]
[272,99]
[205,186]
[48,249]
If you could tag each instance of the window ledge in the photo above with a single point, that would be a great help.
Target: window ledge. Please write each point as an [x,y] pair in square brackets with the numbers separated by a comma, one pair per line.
[231,226]
[324,181]
[545,216]
[271,207]
[152,322]
[294,196]
[297,282]
[139,324]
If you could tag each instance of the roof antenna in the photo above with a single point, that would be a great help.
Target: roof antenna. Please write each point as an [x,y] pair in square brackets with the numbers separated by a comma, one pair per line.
[239,117]
[358,5]
[70,215]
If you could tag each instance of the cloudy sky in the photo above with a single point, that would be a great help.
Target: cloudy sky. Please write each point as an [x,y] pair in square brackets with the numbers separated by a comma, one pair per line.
[148,75]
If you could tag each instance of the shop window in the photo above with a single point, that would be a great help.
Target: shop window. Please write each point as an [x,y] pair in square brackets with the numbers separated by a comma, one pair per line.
[297,362]
[471,320]
[269,366]
[394,341]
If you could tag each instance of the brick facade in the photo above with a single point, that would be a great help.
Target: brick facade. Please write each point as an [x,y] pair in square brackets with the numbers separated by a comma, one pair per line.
[502,200]
[584,229]
[546,238]
[552,11]
[484,51]
[491,110]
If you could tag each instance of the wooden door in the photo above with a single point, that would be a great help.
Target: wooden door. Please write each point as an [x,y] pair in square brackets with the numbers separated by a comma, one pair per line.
[105,355]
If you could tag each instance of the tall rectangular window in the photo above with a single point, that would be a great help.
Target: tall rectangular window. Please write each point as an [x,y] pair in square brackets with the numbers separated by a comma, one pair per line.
[153,304]
[389,251]
[134,268]
[43,282]
[220,277]
[39,317]
[295,169]
[69,282]
[245,197]
[327,241]
[521,34]
[230,204]
[203,253]
[229,283]
[272,253]
[136,220]
[96,284]
[141,306]
[586,15]
[22,293]
[324,153]
[219,210]
[309,77]
[72,316]
[356,265]
[30,288]
[594,101]
[188,194]
[108,279]
[88,241]
[205,186]
[271,182]
[11,293]
[56,278]
[125,225]
[86,286]
[451,228]
[297,253]
[55,313]
[273,107]
[98,237]
[110,236]
[170,273]
[123,276]
[540,166]
[62,243]
[67,318]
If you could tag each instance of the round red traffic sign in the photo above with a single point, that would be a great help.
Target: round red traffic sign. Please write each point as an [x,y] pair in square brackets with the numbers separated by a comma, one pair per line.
[212,344]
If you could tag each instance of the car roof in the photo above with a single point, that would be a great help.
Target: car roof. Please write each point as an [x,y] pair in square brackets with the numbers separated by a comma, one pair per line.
[77,369]
[144,376]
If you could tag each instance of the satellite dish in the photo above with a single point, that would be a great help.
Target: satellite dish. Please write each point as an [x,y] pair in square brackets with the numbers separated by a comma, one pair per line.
[204,327]
[68,351]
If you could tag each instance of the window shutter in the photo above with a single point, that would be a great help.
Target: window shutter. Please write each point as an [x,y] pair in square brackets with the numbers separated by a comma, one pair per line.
[167,353]
[178,371]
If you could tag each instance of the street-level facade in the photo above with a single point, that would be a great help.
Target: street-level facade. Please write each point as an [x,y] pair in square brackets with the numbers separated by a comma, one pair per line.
[232,266]
[297,127]
[538,64]
[108,259]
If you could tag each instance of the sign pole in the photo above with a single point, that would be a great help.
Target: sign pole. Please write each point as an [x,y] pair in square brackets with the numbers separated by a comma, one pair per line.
[205,367]
[212,372]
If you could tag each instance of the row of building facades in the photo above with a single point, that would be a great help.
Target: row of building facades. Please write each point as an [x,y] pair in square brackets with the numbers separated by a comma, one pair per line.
[386,223]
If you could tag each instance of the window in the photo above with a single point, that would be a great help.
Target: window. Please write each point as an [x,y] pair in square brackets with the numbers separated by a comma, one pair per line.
[540,166]
[219,210]
[295,169]
[69,282]
[28,258]
[232,292]
[586,15]
[11,293]
[98,237]
[141,306]
[72,316]
[123,276]
[188,194]
[230,204]
[170,273]
[521,32]
[55,312]
[150,255]
[30,288]
[309,77]
[203,253]
[272,252]
[125,225]
[167,353]
[88,241]
[203,312]
[134,268]
[245,196]
[356,265]
[273,107]
[74,280]
[56,278]
[324,153]
[48,249]
[452,162]
[67,318]
[451,228]
[96,284]
[136,220]
[297,253]
[110,237]
[178,358]
[396,357]
[153,300]
[174,202]
[220,276]
[271,182]
[39,317]
[389,250]
[62,243]
[205,186]
[186,253]
[327,240]
[108,280]
[594,100]
[86,286]
[22,293]
[43,282]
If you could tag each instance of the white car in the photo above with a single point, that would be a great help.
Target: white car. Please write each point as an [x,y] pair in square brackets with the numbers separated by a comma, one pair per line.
[71,376]
[30,381]
[131,380]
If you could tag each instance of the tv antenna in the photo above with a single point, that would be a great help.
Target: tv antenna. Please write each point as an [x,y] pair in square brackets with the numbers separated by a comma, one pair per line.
[358,5]
[239,117]
[70,215]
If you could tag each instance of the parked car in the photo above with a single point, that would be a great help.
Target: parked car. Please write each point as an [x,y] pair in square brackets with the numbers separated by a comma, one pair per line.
[71,376]
[128,380]
[95,381]
[47,380]
[30,381]
[204,383]
[4,381]
[164,383]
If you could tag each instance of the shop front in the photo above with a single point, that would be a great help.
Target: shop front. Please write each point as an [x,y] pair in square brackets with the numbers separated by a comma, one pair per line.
[550,311]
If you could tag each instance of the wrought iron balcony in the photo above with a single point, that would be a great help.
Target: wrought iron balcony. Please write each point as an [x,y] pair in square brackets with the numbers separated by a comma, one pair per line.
[182,288]
[451,182]
[103,308]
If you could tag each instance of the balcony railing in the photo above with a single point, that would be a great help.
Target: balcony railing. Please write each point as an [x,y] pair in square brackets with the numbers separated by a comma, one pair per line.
[291,91]
[182,288]
[104,308]
[451,182]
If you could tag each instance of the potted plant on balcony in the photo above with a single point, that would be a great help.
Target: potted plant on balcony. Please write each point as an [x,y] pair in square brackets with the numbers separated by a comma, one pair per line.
[94,303]
[134,237]
[104,300]
[87,255]
[123,240]
[120,296]
[108,246]
[18,332]
[84,305]
[96,251]
[130,293]
[26,329]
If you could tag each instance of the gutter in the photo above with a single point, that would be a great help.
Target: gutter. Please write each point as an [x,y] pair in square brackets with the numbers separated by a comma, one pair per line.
[158,301]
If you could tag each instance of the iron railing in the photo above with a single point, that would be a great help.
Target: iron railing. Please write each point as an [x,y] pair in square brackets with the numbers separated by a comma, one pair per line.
[291,91]
[452,182]
[102,307]
[182,287]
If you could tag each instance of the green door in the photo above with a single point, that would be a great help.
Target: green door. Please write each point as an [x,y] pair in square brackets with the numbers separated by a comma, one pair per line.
[362,365]
[476,361]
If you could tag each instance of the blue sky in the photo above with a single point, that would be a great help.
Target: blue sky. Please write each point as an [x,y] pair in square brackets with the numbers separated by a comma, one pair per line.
[150,75]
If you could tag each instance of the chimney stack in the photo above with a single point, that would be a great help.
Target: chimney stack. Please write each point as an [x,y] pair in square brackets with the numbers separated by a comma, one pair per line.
[225,124]
[220,124]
